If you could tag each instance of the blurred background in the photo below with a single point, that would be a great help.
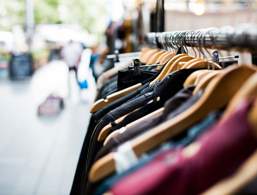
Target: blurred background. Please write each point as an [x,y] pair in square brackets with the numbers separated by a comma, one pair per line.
[44,103]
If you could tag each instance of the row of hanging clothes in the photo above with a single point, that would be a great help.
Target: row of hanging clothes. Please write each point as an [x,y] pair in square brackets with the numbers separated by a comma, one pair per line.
[167,121]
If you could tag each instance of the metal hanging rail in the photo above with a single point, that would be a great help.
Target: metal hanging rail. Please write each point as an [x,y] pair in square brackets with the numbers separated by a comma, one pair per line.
[242,38]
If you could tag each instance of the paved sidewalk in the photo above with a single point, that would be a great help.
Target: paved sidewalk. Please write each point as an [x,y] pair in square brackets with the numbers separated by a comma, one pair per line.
[38,156]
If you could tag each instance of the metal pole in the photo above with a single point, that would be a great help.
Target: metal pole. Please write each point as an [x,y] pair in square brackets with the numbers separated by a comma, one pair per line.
[241,38]
[29,21]
[160,18]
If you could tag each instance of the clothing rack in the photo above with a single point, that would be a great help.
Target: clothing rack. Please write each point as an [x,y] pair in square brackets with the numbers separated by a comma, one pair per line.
[242,38]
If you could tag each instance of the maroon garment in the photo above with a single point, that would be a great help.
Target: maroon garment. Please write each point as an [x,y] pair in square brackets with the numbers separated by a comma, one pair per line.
[222,149]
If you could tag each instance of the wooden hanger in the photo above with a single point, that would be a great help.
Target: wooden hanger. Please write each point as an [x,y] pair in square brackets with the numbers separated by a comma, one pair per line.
[200,84]
[143,52]
[165,59]
[248,171]
[154,58]
[161,56]
[227,84]
[252,117]
[168,68]
[197,76]
[112,135]
[99,104]
[203,64]
[174,65]
[200,76]
[104,102]
[192,77]
[204,81]
[183,65]
[162,74]
[105,132]
[194,63]
[198,63]
[248,91]
[149,54]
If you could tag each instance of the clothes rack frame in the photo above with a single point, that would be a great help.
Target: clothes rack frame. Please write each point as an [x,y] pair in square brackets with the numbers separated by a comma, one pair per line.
[242,38]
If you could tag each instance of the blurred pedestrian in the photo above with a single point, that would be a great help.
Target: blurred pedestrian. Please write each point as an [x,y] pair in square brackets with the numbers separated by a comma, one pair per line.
[71,54]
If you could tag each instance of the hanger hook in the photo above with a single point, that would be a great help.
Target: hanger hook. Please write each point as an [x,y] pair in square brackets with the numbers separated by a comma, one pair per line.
[169,38]
[207,35]
[162,42]
[191,41]
[184,41]
[165,47]
[165,42]
[196,43]
[202,36]
[174,40]
[180,39]
[199,39]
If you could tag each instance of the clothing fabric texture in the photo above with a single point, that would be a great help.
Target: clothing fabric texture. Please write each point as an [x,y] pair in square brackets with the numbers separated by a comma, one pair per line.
[131,132]
[80,177]
[78,186]
[130,77]
[99,114]
[169,115]
[108,88]
[104,77]
[116,79]
[221,151]
[144,110]
[192,134]
[126,78]
[173,82]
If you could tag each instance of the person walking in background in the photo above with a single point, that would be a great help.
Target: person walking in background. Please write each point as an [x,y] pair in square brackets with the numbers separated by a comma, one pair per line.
[71,54]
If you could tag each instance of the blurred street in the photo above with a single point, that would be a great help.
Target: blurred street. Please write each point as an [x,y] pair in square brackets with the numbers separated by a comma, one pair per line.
[38,156]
